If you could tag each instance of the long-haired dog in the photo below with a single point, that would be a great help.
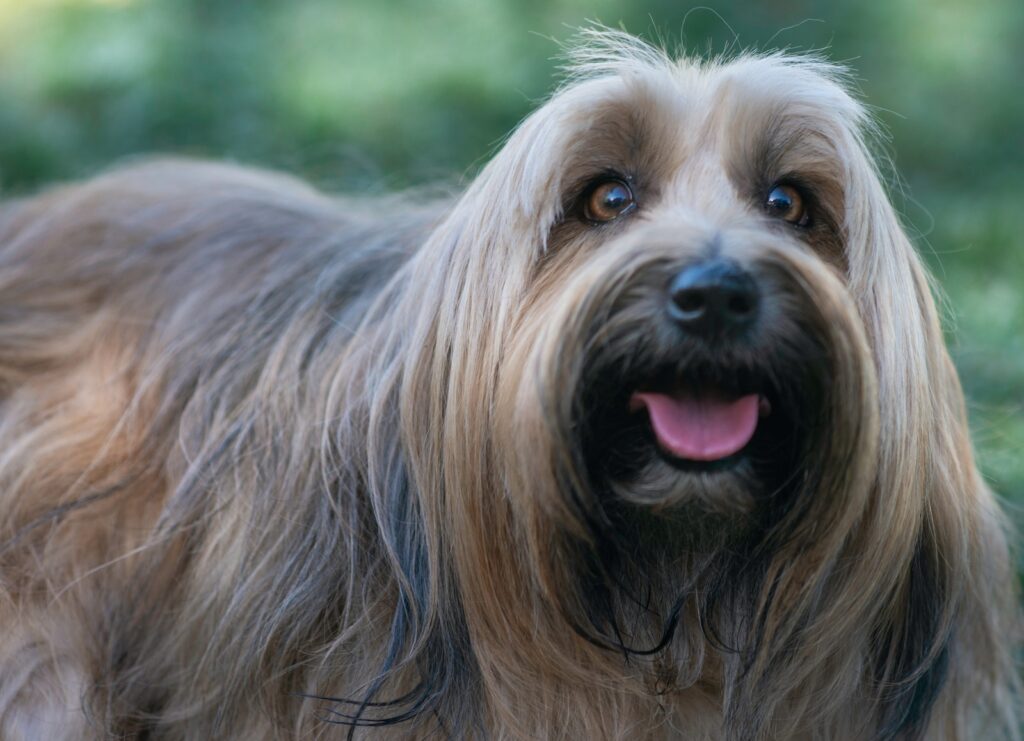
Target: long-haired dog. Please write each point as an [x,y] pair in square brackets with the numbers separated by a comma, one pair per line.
[649,433]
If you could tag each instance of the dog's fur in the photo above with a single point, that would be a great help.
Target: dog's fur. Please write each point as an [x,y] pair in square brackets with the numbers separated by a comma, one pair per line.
[275,465]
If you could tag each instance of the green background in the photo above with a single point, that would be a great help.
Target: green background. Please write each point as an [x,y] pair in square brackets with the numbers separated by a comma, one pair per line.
[376,94]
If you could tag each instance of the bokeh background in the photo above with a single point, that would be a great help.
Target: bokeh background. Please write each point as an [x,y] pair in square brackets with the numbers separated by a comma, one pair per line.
[371,95]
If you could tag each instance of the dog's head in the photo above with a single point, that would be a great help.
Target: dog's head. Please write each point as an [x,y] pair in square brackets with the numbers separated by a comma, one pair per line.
[669,268]
[672,353]
[688,332]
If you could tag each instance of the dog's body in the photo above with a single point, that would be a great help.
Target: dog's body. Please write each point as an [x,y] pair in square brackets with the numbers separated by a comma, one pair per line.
[276,465]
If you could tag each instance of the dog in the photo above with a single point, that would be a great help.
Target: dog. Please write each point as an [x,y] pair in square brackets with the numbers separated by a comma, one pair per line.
[650,432]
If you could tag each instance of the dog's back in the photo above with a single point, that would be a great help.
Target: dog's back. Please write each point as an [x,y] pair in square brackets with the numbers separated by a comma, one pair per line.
[135,310]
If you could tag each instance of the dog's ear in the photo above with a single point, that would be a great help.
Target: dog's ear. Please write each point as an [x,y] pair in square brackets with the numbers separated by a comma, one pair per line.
[433,489]
[936,523]
[430,402]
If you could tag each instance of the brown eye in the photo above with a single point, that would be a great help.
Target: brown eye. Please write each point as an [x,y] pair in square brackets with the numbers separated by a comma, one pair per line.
[608,200]
[786,202]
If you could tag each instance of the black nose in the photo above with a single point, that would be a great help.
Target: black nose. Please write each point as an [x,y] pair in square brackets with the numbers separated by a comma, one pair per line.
[713,298]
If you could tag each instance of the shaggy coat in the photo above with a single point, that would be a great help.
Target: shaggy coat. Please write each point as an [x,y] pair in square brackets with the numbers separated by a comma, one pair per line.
[275,464]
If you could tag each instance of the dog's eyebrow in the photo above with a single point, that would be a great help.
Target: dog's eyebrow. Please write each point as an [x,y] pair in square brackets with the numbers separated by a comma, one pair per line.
[789,139]
[632,131]
[766,140]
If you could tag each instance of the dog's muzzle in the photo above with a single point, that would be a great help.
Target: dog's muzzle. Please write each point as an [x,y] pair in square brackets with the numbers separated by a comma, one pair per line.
[712,301]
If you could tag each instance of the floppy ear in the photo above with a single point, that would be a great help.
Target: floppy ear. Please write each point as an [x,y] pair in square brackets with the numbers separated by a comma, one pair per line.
[431,342]
[948,618]
[447,522]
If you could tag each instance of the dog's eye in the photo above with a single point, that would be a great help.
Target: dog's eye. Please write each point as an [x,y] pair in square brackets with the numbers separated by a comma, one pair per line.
[786,202]
[608,200]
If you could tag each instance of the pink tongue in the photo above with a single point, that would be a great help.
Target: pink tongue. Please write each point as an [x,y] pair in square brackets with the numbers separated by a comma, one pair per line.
[703,429]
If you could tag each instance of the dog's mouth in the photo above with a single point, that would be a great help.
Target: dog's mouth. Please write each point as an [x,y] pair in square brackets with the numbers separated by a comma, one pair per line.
[702,426]
[707,431]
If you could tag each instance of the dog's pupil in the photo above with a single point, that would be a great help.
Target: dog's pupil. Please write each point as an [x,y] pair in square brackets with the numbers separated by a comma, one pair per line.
[779,200]
[615,197]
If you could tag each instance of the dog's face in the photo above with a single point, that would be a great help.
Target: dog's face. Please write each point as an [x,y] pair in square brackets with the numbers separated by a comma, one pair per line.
[684,331]
[704,369]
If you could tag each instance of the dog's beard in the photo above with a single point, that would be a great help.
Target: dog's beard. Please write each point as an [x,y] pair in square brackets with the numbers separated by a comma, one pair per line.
[648,533]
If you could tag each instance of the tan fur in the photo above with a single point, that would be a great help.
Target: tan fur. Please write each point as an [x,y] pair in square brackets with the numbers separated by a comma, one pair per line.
[273,463]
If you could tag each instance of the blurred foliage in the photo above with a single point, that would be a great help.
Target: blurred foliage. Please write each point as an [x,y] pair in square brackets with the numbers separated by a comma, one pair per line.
[366,95]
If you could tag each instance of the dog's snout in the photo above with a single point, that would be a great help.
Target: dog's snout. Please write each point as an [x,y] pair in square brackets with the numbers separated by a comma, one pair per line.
[713,298]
